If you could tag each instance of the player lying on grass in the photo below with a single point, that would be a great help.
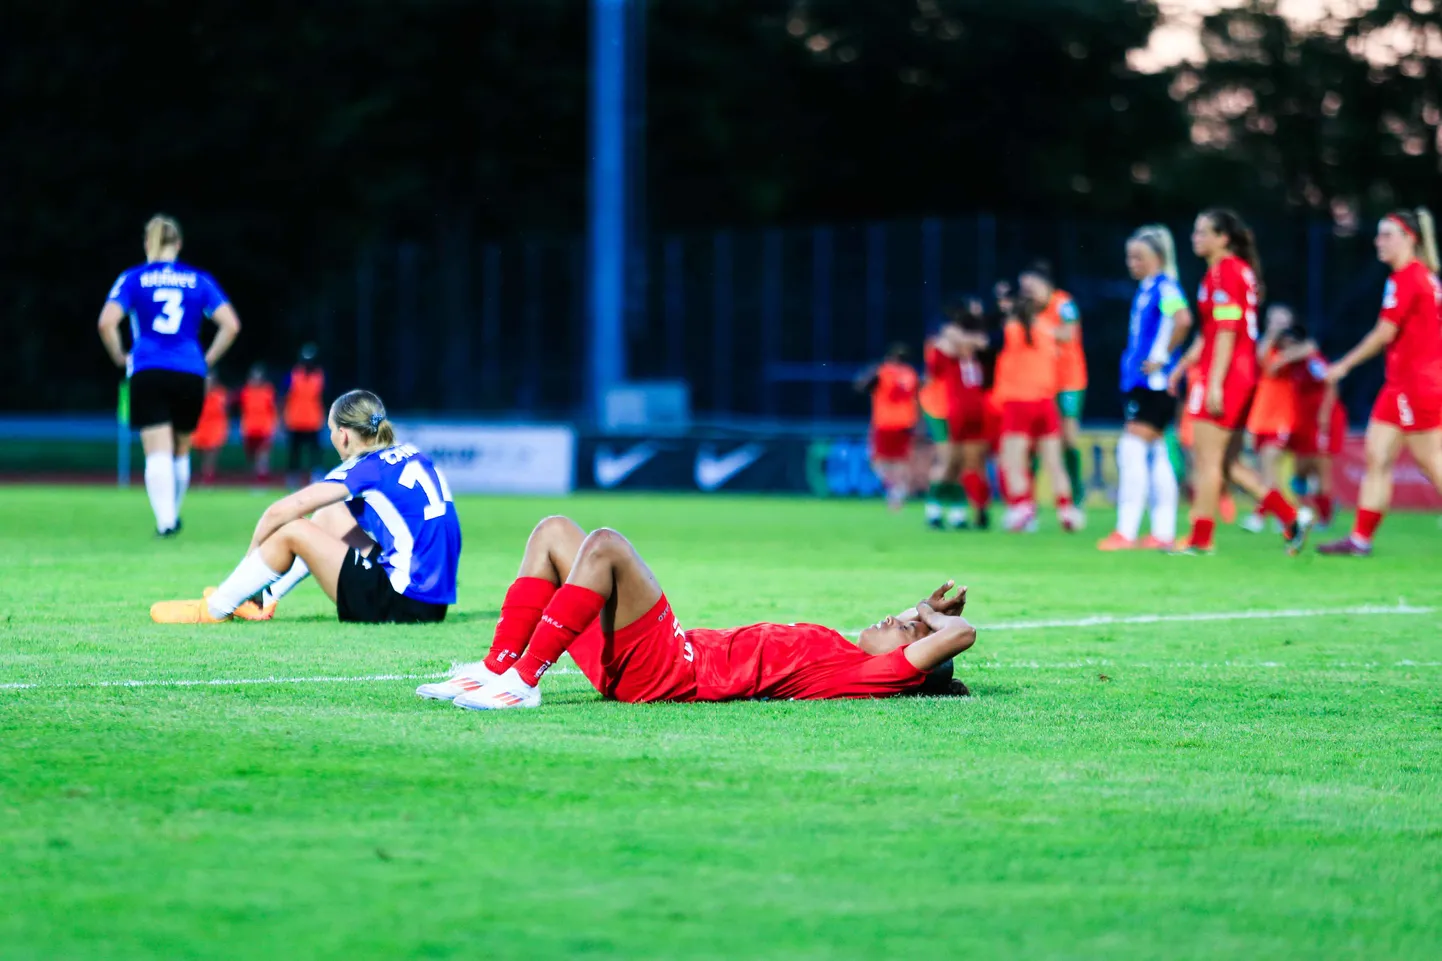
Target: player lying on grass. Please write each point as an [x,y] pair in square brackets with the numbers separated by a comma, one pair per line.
[592,595]
[382,539]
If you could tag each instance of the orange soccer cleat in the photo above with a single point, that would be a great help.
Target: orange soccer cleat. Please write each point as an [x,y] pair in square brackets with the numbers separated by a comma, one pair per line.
[182,612]
[1116,541]
[1153,543]
[249,609]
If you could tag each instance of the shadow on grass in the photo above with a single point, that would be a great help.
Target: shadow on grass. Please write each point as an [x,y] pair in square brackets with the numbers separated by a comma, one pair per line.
[452,617]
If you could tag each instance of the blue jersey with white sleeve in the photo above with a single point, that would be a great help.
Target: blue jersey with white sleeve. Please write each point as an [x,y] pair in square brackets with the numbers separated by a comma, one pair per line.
[1154,311]
[166,301]
[403,502]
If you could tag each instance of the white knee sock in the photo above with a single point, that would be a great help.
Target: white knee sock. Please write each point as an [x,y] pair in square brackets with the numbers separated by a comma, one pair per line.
[1164,493]
[1131,485]
[250,576]
[182,480]
[288,581]
[160,485]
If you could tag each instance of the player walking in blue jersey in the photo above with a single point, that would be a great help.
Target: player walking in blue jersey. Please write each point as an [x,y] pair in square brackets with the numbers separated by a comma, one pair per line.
[383,539]
[166,301]
[1160,321]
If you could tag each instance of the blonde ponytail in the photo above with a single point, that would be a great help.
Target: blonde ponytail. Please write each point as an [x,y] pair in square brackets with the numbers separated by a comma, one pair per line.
[364,413]
[1427,239]
[162,234]
[1159,238]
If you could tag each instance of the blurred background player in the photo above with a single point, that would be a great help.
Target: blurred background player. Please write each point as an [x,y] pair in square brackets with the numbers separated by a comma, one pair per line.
[165,301]
[1408,411]
[1056,310]
[258,421]
[893,386]
[1320,428]
[961,357]
[594,596]
[935,406]
[1160,322]
[1274,406]
[213,429]
[1026,379]
[1223,362]
[380,534]
[304,416]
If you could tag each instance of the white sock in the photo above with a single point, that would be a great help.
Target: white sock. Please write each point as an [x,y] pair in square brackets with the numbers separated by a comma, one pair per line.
[249,577]
[1131,484]
[1164,493]
[160,485]
[182,480]
[287,583]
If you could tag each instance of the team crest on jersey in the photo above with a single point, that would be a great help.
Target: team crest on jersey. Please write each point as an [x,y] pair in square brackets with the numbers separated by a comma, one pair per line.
[1220,297]
[1389,295]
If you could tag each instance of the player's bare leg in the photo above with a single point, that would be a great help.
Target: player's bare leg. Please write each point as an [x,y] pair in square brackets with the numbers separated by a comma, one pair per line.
[1016,479]
[1269,462]
[1384,445]
[1296,523]
[322,552]
[1049,451]
[158,443]
[607,580]
[550,551]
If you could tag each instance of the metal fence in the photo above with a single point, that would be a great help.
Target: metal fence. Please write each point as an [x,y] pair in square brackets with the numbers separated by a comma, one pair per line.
[765,323]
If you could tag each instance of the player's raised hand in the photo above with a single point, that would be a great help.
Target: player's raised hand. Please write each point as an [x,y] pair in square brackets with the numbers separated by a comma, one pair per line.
[941,604]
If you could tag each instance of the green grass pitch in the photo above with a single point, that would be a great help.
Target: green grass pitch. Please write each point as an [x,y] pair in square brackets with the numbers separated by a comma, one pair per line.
[1189,788]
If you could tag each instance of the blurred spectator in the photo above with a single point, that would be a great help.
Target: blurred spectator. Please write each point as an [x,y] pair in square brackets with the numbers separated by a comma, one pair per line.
[214,427]
[304,415]
[258,420]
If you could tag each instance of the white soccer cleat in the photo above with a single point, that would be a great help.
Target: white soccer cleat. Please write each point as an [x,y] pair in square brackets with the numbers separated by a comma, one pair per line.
[467,678]
[1020,519]
[1072,518]
[504,692]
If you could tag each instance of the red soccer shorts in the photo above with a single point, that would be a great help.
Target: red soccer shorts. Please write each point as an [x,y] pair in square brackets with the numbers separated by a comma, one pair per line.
[891,443]
[648,660]
[1279,440]
[1310,440]
[1414,415]
[1033,418]
[1236,403]
[966,421]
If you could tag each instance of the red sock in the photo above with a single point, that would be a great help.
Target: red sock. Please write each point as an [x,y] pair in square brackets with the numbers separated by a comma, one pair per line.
[1202,528]
[570,612]
[1276,505]
[520,613]
[978,491]
[1367,522]
[1324,508]
[1062,502]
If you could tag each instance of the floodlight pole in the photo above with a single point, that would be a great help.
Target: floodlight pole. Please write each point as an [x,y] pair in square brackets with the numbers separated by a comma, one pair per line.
[609,239]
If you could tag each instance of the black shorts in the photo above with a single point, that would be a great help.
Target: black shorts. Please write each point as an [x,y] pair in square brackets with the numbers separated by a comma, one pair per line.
[1155,408]
[364,595]
[171,397]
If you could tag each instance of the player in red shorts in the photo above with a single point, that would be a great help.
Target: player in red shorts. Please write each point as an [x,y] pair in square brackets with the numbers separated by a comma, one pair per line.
[1319,420]
[1224,380]
[893,387]
[594,596]
[1409,408]
[963,342]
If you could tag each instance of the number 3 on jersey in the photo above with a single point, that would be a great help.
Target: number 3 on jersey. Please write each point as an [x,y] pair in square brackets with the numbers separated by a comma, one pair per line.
[169,319]
[413,474]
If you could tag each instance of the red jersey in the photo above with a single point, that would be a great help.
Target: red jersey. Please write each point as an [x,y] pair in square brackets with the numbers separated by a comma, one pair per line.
[794,661]
[963,377]
[1228,301]
[1411,303]
[1310,388]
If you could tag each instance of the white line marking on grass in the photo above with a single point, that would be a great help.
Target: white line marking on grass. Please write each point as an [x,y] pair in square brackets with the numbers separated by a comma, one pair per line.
[1098,620]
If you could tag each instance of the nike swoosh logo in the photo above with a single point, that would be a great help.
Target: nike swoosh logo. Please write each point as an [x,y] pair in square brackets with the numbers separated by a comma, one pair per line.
[712,471]
[611,468]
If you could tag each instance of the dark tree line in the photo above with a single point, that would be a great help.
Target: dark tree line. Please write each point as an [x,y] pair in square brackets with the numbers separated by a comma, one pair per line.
[286,136]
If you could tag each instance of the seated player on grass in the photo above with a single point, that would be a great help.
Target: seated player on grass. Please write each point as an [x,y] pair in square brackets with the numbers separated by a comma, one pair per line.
[594,596]
[382,539]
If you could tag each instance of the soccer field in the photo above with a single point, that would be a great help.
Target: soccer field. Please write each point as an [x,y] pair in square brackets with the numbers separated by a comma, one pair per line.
[1213,783]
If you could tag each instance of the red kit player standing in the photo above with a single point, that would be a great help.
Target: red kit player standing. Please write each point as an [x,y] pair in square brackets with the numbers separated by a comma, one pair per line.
[1225,380]
[593,596]
[1409,408]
